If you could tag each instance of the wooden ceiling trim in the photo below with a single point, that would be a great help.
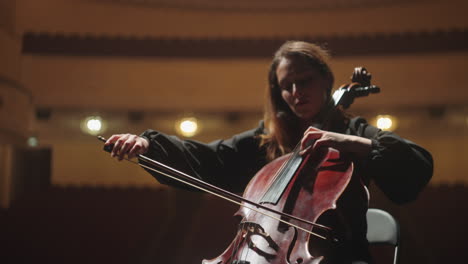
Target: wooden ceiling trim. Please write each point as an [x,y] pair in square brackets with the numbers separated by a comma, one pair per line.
[258,5]
[6,83]
[378,44]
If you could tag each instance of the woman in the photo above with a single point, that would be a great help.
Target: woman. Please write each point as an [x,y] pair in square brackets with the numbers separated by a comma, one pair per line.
[299,108]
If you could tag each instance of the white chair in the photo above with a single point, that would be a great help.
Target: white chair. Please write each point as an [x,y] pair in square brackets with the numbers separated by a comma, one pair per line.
[382,228]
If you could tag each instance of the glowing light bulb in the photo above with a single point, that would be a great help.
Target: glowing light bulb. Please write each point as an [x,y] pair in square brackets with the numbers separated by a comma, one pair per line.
[92,125]
[188,127]
[386,122]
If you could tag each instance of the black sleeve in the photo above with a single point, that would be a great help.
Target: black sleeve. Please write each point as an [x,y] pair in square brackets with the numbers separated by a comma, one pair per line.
[228,164]
[399,167]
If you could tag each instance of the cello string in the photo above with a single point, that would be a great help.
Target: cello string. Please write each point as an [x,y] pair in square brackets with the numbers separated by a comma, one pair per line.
[280,176]
[328,113]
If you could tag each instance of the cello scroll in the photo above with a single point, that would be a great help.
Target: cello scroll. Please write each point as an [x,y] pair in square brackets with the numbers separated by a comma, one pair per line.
[360,86]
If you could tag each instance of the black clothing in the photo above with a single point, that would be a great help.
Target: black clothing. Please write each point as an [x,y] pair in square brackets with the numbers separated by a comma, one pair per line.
[399,168]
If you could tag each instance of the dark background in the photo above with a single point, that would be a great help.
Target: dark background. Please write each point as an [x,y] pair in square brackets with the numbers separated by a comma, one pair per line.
[100,225]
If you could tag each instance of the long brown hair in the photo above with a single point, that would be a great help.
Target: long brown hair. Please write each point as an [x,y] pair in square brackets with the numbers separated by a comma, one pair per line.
[283,130]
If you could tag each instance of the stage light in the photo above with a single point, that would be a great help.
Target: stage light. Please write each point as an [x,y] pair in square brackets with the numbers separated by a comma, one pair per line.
[93,125]
[187,127]
[386,122]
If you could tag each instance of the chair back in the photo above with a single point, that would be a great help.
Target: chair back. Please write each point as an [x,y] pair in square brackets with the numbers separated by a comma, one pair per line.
[382,228]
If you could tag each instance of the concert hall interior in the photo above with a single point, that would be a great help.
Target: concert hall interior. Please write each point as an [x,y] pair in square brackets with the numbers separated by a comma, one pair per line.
[123,66]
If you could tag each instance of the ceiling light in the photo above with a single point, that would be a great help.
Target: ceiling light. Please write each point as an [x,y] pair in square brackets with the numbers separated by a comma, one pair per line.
[93,125]
[386,122]
[188,127]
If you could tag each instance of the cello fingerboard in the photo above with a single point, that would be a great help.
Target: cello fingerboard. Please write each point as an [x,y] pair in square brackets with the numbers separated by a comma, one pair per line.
[280,183]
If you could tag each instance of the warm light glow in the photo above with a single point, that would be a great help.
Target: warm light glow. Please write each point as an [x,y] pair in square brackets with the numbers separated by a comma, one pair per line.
[188,127]
[386,122]
[93,125]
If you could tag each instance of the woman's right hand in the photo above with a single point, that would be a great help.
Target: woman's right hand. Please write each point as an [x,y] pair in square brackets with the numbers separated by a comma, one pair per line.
[127,144]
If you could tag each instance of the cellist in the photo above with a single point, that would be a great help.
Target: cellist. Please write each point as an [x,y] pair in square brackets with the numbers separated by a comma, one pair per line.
[299,109]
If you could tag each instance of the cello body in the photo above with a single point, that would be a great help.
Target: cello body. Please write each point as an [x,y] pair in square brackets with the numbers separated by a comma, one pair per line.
[317,184]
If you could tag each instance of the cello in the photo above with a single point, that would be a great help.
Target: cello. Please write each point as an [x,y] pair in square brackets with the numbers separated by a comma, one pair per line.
[282,203]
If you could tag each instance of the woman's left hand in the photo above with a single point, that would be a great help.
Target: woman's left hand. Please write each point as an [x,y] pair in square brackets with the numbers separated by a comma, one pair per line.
[315,138]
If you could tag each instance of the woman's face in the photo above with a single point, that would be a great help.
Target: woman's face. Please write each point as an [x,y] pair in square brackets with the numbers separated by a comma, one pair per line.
[302,86]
